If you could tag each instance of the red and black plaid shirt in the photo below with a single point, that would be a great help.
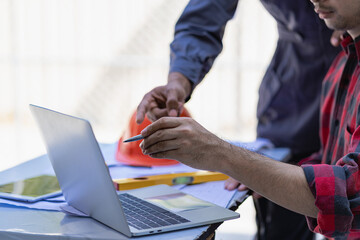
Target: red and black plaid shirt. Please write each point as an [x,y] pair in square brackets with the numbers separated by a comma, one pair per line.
[333,174]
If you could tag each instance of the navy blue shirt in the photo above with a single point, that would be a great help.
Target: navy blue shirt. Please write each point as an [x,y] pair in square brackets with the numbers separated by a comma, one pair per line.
[289,95]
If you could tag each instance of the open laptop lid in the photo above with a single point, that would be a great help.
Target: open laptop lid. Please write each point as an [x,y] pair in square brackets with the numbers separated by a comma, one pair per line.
[87,186]
[69,151]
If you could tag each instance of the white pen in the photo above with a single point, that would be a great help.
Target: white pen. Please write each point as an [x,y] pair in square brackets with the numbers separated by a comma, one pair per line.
[133,139]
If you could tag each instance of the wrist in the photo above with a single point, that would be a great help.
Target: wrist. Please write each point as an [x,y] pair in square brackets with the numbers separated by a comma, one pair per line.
[178,80]
[223,154]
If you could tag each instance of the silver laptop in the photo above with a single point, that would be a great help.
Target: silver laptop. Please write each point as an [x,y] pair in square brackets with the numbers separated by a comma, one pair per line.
[87,186]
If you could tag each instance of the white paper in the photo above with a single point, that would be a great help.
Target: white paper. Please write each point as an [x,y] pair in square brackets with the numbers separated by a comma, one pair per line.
[210,191]
[41,205]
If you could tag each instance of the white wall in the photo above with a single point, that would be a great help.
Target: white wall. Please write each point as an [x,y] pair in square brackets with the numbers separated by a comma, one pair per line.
[97,58]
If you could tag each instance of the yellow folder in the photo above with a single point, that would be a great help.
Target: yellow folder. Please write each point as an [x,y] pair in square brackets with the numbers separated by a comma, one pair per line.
[169,179]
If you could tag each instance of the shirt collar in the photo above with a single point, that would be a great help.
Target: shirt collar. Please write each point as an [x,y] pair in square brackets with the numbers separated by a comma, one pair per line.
[348,42]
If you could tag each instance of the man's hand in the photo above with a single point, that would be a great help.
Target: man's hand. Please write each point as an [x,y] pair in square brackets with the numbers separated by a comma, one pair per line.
[336,38]
[165,100]
[182,139]
[231,184]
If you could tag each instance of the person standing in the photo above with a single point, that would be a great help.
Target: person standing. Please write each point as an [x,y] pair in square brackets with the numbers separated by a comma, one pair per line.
[289,94]
[325,187]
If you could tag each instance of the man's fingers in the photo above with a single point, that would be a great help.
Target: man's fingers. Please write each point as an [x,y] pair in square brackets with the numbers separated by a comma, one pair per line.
[242,187]
[336,37]
[160,102]
[256,195]
[141,111]
[146,104]
[154,146]
[170,154]
[151,100]
[156,113]
[231,184]
[173,112]
[173,104]
[162,123]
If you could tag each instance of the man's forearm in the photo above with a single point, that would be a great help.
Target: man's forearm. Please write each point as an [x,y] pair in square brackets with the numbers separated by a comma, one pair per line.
[185,140]
[281,183]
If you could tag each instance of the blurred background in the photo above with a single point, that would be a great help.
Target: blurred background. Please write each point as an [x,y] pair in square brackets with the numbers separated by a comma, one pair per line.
[97,58]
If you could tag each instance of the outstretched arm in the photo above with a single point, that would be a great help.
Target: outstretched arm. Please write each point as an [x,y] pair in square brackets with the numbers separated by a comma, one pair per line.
[197,42]
[185,140]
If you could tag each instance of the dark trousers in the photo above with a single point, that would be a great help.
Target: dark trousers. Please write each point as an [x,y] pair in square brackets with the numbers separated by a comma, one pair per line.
[277,223]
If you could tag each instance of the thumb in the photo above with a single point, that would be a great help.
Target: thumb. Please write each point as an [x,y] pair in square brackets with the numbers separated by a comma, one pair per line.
[173,105]
[336,37]
[174,109]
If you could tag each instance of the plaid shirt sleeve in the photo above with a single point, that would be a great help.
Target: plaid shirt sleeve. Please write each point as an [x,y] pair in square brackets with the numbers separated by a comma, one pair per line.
[314,158]
[335,180]
[336,192]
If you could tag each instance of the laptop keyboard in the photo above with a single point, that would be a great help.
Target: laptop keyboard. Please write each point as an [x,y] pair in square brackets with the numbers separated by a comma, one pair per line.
[143,215]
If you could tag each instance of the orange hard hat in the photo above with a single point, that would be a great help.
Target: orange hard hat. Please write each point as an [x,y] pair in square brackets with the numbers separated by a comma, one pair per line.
[131,154]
